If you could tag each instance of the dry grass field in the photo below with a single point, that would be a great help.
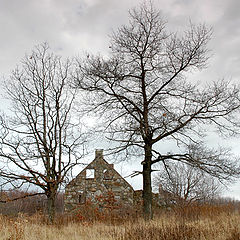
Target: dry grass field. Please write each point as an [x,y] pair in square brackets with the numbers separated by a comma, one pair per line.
[191,223]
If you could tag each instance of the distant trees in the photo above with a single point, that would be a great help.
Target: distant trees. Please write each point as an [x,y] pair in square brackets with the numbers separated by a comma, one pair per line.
[185,184]
[40,141]
[143,92]
[13,202]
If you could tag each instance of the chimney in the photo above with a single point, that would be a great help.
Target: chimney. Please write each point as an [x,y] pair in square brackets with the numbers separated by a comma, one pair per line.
[99,153]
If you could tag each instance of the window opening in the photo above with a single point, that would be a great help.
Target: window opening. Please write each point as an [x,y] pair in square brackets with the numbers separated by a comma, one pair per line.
[81,197]
[90,173]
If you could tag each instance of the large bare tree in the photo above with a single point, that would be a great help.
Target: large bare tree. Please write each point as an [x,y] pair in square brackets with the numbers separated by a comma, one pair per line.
[40,141]
[143,91]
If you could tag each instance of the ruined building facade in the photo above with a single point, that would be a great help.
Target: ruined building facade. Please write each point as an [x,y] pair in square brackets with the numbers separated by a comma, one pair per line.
[99,178]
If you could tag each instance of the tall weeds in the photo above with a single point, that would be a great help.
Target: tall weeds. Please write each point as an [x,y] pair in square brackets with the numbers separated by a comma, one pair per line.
[196,222]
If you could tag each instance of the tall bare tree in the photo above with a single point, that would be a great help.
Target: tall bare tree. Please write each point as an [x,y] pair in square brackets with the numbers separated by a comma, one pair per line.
[185,184]
[40,141]
[142,90]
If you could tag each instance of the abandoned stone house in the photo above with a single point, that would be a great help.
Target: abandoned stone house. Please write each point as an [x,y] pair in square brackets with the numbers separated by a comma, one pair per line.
[97,179]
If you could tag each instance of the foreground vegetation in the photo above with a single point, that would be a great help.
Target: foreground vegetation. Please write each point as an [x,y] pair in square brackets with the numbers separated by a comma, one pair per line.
[218,222]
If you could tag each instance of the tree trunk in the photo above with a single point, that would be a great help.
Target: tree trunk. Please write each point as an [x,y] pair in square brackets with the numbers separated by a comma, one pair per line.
[51,197]
[147,185]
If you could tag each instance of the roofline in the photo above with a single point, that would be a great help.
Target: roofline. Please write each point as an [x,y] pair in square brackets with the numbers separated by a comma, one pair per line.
[107,164]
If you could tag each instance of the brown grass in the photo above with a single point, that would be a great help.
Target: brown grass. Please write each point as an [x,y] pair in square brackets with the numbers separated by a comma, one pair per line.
[191,223]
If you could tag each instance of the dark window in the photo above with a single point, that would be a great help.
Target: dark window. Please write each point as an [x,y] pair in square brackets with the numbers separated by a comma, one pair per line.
[81,198]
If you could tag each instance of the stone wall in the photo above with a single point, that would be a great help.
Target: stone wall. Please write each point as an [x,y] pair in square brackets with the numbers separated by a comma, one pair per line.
[97,179]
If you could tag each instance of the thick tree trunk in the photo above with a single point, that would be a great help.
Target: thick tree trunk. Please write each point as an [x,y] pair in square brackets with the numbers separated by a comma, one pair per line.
[51,197]
[147,184]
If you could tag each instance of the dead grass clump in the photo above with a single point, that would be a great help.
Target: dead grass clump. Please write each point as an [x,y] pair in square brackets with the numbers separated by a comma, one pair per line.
[153,232]
[234,235]
[196,212]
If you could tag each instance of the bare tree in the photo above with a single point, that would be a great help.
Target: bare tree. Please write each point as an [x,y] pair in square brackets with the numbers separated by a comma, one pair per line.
[184,184]
[143,91]
[40,141]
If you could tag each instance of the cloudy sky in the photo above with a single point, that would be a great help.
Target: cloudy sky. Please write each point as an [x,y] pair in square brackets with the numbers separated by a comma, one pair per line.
[74,26]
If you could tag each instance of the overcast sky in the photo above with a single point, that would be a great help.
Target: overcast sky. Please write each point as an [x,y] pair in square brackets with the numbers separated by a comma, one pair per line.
[74,26]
